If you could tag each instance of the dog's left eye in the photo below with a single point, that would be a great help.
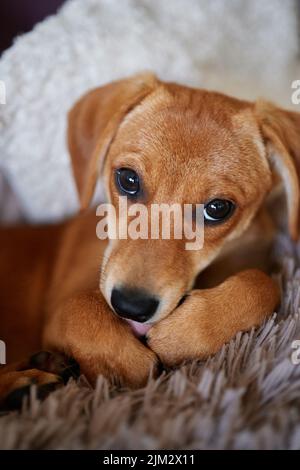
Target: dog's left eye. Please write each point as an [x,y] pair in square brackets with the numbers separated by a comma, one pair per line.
[128,181]
[217,210]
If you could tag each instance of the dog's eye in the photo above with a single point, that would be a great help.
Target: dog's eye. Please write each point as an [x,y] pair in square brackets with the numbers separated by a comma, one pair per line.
[128,181]
[217,210]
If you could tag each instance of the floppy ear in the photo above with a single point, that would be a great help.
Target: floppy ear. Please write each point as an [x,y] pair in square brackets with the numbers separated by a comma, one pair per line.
[281,132]
[93,123]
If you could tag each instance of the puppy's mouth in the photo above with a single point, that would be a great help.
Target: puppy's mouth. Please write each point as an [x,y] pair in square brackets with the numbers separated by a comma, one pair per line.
[139,329]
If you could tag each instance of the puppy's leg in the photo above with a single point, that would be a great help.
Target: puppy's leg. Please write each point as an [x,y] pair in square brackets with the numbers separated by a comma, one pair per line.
[211,317]
[85,328]
[46,370]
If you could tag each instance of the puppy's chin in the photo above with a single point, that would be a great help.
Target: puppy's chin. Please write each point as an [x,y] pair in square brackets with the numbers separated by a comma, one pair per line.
[139,329]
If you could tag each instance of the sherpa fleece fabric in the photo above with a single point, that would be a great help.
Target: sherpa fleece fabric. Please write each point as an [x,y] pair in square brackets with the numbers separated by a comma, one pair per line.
[247,49]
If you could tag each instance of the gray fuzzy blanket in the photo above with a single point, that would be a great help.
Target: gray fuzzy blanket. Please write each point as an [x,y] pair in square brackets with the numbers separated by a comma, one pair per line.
[247,396]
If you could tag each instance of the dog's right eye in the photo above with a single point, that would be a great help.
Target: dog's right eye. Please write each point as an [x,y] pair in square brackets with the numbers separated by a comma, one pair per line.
[128,181]
[217,210]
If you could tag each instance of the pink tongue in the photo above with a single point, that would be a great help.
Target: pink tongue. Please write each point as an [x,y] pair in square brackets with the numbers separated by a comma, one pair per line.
[140,329]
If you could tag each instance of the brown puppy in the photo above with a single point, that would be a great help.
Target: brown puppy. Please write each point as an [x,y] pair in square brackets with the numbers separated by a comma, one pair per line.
[181,145]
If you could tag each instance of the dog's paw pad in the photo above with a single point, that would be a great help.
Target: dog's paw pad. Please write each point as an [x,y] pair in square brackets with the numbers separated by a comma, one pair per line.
[40,360]
[55,363]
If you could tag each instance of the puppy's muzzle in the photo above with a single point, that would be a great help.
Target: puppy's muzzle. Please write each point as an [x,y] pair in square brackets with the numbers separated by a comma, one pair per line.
[134,304]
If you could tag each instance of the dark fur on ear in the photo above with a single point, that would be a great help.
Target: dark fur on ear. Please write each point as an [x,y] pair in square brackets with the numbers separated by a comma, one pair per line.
[281,132]
[93,123]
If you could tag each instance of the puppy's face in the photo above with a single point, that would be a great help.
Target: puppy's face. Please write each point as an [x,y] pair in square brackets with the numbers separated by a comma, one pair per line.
[189,147]
[186,146]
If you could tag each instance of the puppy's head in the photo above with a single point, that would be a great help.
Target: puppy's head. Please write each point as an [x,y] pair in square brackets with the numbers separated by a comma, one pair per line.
[154,143]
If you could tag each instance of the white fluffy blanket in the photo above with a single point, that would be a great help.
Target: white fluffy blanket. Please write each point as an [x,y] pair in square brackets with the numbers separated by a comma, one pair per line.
[243,48]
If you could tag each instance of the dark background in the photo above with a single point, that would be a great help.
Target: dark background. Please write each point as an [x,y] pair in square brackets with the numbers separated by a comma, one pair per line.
[19,16]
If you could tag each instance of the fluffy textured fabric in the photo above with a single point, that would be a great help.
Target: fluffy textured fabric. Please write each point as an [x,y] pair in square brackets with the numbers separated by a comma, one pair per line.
[247,49]
[247,396]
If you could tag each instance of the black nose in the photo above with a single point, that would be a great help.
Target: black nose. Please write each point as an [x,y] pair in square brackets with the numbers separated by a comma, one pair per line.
[134,304]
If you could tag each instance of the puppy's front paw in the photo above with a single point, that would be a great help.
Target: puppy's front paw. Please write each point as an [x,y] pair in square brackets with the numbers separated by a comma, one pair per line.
[178,337]
[56,363]
[211,317]
[138,368]
[129,366]
[48,371]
